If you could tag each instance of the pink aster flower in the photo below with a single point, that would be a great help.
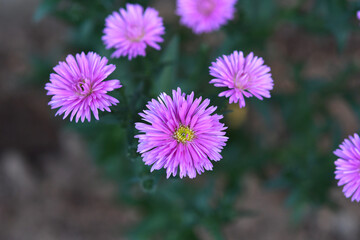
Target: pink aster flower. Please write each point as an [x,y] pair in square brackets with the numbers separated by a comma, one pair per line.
[180,133]
[243,76]
[204,16]
[130,30]
[348,167]
[78,86]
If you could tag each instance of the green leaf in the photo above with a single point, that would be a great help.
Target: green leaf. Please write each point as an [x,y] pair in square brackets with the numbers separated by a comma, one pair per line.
[168,75]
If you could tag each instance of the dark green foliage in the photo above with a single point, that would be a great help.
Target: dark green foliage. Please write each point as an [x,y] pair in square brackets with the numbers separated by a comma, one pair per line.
[174,208]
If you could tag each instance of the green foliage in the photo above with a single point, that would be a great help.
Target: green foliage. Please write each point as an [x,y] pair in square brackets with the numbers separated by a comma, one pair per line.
[175,208]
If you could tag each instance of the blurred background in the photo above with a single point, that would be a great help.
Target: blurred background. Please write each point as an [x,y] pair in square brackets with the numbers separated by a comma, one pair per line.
[60,180]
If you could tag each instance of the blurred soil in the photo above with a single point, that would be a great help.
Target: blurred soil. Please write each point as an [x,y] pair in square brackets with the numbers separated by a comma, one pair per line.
[49,188]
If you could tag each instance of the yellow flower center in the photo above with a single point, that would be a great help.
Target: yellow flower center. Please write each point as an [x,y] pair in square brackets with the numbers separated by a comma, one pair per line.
[184,134]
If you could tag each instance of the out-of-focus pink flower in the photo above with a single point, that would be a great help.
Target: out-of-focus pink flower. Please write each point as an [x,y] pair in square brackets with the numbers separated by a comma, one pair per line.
[204,16]
[348,167]
[131,30]
[180,133]
[78,86]
[243,76]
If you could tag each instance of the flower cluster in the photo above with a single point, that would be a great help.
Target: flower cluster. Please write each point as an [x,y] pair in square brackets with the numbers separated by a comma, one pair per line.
[181,134]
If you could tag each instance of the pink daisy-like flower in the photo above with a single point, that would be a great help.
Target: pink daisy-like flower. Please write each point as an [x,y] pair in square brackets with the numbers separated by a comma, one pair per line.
[358,14]
[130,30]
[348,167]
[204,16]
[243,76]
[78,86]
[180,133]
